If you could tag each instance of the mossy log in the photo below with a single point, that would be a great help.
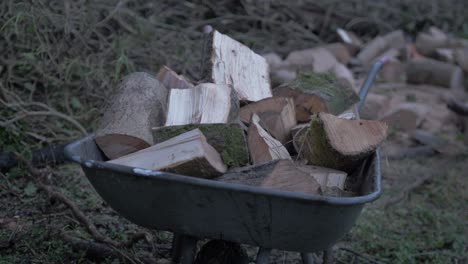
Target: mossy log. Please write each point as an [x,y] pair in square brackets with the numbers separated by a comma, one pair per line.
[228,139]
[317,92]
[340,144]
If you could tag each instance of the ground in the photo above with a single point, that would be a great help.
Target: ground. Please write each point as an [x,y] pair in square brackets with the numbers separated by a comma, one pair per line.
[60,60]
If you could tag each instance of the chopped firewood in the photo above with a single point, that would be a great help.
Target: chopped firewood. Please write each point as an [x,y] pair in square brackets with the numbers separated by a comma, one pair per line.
[171,79]
[340,51]
[286,176]
[461,58]
[228,139]
[281,76]
[445,55]
[373,107]
[316,59]
[392,71]
[206,103]
[187,154]
[405,116]
[234,64]
[429,71]
[428,43]
[138,104]
[314,92]
[262,146]
[273,60]
[275,104]
[352,41]
[326,177]
[345,76]
[379,45]
[338,143]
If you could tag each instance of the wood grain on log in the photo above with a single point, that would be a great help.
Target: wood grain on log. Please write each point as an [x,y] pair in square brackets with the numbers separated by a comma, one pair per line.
[262,146]
[233,63]
[138,104]
[206,103]
[187,154]
[338,143]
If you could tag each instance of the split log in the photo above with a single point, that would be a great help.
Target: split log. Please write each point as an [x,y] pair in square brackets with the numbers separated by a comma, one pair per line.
[262,146]
[206,103]
[138,104]
[187,154]
[405,116]
[171,79]
[429,71]
[314,92]
[339,51]
[318,60]
[379,45]
[287,175]
[338,143]
[234,64]
[228,139]
[352,41]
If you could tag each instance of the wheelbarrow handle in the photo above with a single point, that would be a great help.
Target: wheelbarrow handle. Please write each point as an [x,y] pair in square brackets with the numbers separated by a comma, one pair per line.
[369,80]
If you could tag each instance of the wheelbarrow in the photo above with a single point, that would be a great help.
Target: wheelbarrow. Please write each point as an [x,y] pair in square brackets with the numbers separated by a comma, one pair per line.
[195,208]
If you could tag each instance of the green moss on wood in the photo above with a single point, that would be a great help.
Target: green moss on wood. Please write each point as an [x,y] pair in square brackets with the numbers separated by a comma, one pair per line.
[339,98]
[227,139]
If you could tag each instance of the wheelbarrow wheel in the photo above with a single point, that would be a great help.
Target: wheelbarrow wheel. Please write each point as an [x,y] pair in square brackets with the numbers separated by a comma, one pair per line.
[221,252]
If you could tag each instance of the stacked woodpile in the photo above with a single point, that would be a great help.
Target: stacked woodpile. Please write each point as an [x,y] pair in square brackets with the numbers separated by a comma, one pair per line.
[419,79]
[233,127]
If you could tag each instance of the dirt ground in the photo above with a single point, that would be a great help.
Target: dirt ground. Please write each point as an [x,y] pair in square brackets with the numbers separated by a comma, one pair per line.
[60,60]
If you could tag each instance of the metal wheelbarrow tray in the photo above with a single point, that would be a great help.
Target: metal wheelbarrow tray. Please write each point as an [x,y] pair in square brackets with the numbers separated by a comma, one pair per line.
[204,208]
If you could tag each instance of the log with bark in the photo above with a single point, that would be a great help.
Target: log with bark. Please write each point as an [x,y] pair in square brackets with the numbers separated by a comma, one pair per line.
[429,71]
[187,154]
[316,59]
[234,64]
[314,92]
[379,45]
[138,105]
[228,139]
[338,143]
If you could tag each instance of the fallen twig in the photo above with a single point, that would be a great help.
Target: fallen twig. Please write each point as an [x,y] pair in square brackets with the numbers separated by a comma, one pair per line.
[36,176]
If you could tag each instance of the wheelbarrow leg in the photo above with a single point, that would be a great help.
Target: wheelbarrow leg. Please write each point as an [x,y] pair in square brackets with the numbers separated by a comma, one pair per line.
[329,256]
[308,258]
[183,248]
[263,255]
